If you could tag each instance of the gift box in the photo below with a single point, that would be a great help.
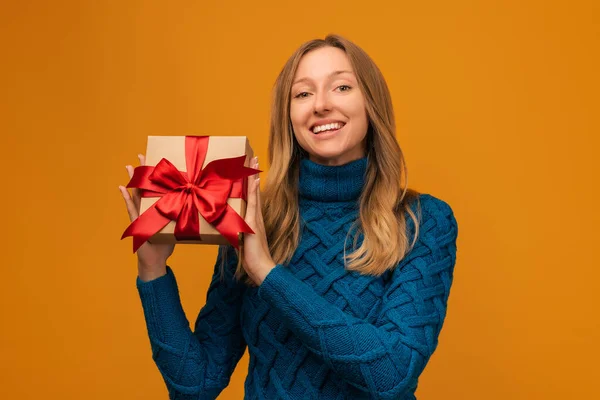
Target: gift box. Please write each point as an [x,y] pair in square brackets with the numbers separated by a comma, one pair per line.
[193,190]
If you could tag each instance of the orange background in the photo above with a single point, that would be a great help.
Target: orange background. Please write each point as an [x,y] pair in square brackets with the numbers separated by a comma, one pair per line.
[496,104]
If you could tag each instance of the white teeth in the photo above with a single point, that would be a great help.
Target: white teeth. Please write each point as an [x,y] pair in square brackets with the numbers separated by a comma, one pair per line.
[321,128]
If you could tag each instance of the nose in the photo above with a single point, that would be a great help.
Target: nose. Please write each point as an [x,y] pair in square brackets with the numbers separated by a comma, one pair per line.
[322,103]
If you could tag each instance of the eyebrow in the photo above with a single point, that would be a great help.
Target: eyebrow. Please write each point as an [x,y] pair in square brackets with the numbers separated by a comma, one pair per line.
[330,75]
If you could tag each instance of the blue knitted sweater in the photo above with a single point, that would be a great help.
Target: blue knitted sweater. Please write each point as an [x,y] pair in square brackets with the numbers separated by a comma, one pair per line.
[313,329]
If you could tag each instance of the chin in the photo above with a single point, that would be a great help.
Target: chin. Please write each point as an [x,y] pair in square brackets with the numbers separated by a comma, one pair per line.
[332,158]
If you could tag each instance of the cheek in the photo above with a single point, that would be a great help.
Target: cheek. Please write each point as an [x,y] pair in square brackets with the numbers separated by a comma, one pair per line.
[359,120]
[358,114]
[293,112]
[353,107]
[298,114]
[359,110]
[296,123]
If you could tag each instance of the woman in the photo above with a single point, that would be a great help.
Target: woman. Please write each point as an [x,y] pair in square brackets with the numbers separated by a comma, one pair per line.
[341,292]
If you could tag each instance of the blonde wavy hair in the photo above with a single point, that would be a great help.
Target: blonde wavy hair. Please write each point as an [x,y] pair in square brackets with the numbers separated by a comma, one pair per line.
[381,220]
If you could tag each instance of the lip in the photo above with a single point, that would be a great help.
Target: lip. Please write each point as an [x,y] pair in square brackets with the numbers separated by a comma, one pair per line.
[325,121]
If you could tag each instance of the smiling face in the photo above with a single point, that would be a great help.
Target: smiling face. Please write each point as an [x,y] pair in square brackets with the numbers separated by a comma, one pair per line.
[327,108]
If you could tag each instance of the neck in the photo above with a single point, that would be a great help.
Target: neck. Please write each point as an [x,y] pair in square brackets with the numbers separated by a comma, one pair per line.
[332,183]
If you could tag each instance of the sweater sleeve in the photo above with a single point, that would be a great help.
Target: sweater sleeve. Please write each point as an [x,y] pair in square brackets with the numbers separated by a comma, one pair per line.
[199,364]
[385,358]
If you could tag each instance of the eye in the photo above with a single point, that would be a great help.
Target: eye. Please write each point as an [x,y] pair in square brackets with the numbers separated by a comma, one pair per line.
[301,95]
[344,86]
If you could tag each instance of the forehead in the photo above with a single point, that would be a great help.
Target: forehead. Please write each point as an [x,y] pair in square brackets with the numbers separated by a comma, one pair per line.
[320,63]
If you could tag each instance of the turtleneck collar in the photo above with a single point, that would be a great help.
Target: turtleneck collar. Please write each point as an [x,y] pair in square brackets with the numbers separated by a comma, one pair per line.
[332,183]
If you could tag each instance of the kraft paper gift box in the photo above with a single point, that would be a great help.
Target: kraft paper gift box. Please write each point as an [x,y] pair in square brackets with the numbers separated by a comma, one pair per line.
[221,150]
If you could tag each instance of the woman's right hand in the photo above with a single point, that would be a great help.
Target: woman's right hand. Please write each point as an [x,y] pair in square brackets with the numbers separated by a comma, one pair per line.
[152,257]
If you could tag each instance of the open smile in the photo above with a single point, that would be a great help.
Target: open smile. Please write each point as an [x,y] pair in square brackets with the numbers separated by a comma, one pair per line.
[328,132]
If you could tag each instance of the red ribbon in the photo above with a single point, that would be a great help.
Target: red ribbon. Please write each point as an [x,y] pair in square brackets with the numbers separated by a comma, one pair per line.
[183,196]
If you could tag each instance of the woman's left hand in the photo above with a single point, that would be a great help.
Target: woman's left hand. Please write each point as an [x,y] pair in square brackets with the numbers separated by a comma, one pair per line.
[256,257]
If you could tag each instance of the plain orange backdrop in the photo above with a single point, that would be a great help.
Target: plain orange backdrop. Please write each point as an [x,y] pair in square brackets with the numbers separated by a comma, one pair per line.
[497,114]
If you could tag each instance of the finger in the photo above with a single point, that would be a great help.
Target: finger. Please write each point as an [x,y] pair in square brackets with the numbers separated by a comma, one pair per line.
[129,169]
[135,192]
[258,208]
[258,199]
[251,204]
[131,209]
[259,214]
[257,183]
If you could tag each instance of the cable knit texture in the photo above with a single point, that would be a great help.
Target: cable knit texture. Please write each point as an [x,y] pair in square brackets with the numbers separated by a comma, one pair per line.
[313,329]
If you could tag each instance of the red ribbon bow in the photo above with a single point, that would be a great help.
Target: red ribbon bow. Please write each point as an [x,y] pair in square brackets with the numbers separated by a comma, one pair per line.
[183,196]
